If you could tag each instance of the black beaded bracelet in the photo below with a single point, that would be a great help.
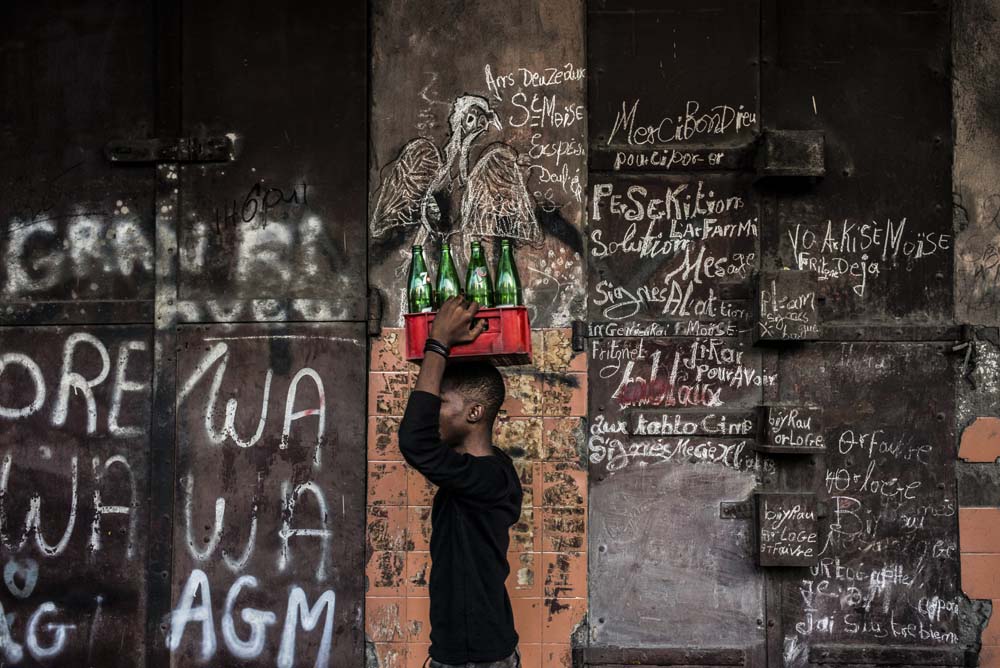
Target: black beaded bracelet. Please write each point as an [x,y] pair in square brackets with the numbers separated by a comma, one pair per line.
[435,346]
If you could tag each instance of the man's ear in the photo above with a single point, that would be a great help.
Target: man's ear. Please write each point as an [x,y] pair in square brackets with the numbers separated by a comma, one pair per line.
[475,413]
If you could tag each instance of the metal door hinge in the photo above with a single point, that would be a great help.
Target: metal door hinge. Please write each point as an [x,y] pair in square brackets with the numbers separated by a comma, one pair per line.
[786,306]
[374,312]
[795,154]
[790,428]
[217,148]
[787,528]
[579,338]
[737,510]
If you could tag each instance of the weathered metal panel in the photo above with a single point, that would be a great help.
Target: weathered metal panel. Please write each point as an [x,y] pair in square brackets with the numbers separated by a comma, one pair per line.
[72,227]
[284,222]
[666,656]
[673,89]
[791,429]
[162,451]
[673,85]
[666,570]
[786,306]
[877,228]
[270,506]
[889,655]
[74,436]
[787,529]
[519,174]
[888,569]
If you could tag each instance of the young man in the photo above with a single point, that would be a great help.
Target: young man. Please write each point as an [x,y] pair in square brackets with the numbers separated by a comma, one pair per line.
[447,434]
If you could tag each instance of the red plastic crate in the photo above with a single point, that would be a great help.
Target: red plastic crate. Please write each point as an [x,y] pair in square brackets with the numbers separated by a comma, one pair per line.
[506,341]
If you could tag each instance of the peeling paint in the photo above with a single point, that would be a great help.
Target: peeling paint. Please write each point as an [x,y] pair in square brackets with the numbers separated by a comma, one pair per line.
[976,170]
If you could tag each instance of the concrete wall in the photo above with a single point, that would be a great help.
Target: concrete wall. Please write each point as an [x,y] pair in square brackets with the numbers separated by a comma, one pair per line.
[524,59]
[976,88]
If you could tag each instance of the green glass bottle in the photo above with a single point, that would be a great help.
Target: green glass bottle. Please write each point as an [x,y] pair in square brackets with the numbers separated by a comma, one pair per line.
[478,286]
[508,282]
[448,284]
[419,286]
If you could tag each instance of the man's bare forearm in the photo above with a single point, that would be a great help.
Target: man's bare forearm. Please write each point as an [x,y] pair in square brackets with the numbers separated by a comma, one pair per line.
[453,325]
[431,370]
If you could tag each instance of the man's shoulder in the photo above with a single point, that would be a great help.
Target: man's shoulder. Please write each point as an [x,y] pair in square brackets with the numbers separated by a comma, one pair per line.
[503,460]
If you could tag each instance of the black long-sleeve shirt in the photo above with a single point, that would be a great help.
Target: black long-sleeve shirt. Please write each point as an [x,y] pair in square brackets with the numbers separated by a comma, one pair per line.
[478,500]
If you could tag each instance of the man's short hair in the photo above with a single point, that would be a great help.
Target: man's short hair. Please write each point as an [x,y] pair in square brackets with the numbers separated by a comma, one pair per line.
[476,381]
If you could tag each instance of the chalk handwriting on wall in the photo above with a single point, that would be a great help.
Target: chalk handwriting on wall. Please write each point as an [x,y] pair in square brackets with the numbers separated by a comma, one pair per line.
[644,141]
[268,237]
[73,394]
[537,101]
[195,608]
[687,237]
[854,252]
[89,248]
[260,490]
[15,539]
[55,637]
[74,412]
[218,356]
[786,317]
[269,244]
[220,353]
[887,569]
[793,427]
[649,373]
[687,126]
[788,531]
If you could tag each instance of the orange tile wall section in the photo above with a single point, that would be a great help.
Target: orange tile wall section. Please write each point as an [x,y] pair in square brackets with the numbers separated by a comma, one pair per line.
[541,427]
[979,536]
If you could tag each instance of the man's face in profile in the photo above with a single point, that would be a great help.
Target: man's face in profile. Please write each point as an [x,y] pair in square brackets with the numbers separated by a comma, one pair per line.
[453,423]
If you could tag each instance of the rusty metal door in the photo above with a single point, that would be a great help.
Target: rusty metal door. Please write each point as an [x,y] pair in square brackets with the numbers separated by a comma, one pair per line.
[673,245]
[769,329]
[183,333]
[877,231]
[270,296]
[268,499]
[76,342]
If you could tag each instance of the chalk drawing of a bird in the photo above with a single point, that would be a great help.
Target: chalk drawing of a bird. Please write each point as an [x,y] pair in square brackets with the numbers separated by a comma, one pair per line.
[422,186]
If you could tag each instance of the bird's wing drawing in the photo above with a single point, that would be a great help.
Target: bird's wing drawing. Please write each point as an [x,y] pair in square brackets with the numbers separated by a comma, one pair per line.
[496,201]
[403,189]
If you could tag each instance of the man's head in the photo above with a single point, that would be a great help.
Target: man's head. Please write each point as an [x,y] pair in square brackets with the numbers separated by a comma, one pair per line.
[471,396]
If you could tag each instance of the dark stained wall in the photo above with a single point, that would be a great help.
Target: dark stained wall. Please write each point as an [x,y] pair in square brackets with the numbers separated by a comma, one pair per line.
[184,359]
[976,55]
[977,168]
[523,62]
[182,494]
